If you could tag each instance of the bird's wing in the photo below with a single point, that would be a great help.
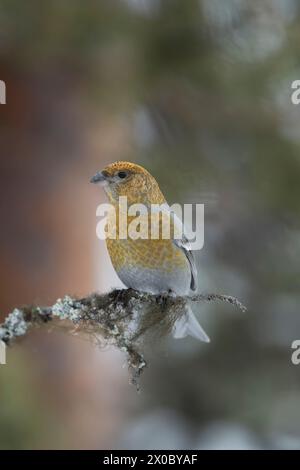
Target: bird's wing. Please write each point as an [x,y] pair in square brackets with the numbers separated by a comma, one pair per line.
[185,246]
[183,243]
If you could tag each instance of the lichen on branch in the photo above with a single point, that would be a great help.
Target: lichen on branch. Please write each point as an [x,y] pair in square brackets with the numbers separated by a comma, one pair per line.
[121,318]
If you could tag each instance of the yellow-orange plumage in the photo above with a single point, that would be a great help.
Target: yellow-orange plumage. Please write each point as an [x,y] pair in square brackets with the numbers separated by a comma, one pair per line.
[160,254]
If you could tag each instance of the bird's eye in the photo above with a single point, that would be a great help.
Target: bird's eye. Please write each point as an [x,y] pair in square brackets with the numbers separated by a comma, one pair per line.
[122,174]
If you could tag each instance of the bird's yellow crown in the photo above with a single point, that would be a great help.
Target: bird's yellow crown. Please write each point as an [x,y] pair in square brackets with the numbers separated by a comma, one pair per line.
[131,180]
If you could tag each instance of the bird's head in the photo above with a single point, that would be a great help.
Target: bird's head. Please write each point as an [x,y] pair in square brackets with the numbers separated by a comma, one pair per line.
[131,180]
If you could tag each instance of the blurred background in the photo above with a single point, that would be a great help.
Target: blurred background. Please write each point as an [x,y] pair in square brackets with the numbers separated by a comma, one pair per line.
[198,92]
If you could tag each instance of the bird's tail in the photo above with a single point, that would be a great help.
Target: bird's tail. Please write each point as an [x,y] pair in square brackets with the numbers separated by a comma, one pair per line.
[187,324]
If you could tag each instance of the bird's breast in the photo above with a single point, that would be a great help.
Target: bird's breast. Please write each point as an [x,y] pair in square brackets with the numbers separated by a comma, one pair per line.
[147,263]
[154,254]
[150,265]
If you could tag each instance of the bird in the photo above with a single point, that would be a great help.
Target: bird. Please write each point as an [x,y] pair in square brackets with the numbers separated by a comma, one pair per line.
[160,266]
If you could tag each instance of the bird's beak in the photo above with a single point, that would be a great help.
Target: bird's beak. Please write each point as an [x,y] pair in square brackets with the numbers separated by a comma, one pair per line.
[99,177]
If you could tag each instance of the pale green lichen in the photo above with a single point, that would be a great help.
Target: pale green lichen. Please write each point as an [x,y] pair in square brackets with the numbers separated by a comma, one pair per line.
[67,309]
[14,325]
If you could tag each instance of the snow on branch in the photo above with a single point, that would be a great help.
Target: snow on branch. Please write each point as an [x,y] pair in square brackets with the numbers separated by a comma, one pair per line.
[120,318]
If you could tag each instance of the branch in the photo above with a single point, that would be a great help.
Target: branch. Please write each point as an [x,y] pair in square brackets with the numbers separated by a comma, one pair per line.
[121,318]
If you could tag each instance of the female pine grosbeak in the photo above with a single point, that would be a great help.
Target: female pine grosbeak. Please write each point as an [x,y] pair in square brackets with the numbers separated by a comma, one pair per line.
[155,265]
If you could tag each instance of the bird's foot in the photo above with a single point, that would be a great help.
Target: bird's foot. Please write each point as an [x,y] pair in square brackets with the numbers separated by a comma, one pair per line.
[162,299]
